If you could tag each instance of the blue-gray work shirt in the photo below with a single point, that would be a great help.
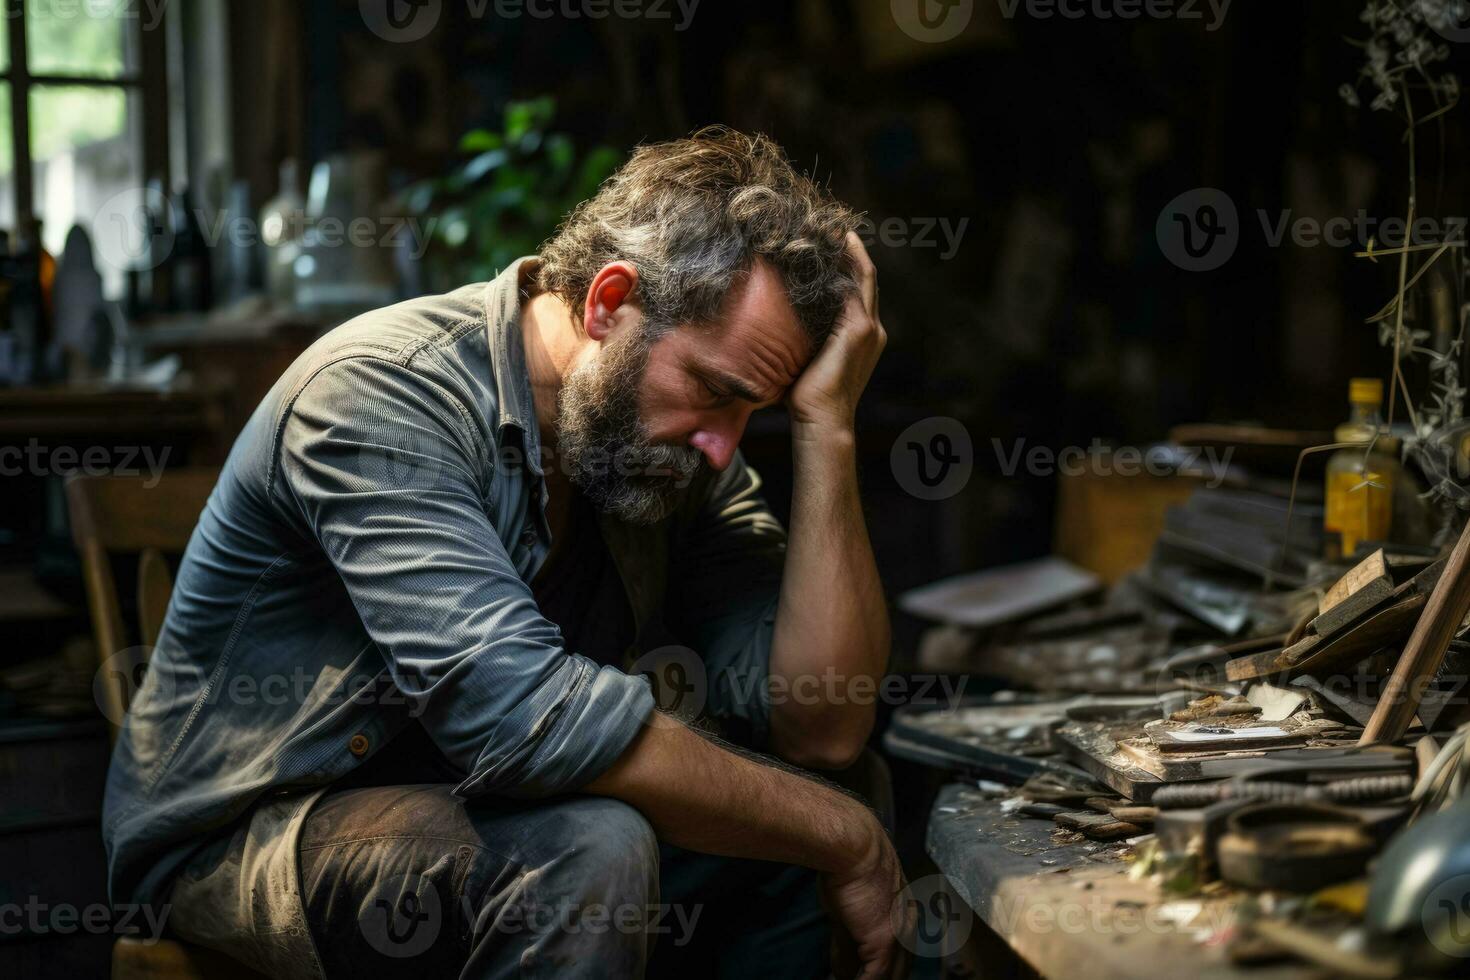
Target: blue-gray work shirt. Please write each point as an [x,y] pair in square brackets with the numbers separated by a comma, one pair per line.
[364,560]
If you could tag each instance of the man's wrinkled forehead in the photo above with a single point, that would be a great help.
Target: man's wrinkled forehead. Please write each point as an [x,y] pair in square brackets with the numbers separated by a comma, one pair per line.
[758,330]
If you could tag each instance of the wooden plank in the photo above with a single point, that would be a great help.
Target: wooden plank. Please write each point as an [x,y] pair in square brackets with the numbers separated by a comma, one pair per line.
[1070,910]
[1097,826]
[1425,651]
[1367,585]
[1317,654]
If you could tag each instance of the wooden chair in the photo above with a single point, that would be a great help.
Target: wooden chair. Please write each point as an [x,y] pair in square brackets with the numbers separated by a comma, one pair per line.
[114,516]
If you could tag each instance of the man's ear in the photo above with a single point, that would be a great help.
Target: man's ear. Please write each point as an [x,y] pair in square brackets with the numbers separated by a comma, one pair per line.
[611,288]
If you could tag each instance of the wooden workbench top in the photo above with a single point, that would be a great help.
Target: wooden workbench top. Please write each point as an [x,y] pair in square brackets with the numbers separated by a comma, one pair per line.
[1069,910]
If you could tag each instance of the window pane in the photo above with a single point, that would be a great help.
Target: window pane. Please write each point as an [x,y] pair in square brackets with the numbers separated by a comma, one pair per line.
[96,38]
[86,143]
[7,161]
[4,42]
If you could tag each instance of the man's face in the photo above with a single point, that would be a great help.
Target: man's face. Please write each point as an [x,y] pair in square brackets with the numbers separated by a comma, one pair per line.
[643,417]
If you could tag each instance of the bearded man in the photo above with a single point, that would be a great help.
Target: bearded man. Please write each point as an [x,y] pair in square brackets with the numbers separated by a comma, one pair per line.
[391,726]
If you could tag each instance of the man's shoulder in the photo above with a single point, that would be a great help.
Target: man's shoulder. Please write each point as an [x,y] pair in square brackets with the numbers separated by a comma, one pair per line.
[404,330]
[440,339]
[424,356]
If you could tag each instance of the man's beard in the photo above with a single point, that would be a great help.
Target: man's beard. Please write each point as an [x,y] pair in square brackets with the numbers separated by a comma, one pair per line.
[602,443]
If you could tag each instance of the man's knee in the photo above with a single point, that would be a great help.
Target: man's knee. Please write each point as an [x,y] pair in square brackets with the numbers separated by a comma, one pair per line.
[590,852]
[611,850]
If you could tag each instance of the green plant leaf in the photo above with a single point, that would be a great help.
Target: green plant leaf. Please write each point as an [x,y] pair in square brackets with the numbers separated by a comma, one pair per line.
[522,117]
[561,154]
[507,199]
[480,140]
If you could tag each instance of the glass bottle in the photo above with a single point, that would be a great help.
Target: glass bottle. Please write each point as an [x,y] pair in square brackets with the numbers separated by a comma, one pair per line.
[282,223]
[193,287]
[1360,479]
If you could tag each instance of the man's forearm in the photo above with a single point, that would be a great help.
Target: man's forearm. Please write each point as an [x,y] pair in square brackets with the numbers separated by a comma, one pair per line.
[704,798]
[831,640]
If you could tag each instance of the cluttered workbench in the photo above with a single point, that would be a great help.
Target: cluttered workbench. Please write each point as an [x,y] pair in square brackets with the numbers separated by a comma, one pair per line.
[1242,758]
[1068,906]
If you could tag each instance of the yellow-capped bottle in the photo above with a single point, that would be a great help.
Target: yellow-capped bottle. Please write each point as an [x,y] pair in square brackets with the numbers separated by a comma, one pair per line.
[1360,484]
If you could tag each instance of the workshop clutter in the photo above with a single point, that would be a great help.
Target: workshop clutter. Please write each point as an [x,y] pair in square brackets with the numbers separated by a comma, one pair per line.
[1249,718]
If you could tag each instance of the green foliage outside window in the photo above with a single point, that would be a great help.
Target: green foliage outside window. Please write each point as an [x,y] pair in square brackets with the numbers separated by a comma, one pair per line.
[507,197]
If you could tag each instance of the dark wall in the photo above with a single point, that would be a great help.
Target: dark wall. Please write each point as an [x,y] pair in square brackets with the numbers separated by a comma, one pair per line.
[1057,318]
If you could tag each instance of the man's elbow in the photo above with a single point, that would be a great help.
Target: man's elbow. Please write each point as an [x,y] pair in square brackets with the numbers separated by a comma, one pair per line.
[828,747]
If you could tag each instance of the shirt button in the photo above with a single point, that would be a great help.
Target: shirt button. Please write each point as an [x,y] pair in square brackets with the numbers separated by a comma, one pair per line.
[359,745]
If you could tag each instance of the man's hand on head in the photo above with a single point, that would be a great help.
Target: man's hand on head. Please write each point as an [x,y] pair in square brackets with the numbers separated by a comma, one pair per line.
[824,399]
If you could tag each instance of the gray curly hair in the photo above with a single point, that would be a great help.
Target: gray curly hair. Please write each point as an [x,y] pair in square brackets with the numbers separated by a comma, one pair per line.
[692,215]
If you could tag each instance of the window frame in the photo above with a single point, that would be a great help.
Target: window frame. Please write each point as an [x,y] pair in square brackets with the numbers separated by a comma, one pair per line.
[149,83]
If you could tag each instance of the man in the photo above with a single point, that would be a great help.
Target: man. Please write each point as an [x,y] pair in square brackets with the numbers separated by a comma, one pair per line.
[386,728]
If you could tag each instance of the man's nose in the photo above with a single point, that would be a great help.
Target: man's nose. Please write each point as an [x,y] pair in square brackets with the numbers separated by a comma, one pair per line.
[719,442]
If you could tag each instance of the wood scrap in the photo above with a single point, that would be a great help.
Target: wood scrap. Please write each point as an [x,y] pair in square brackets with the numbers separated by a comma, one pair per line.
[1097,826]
[1051,787]
[1425,652]
[1143,816]
[1366,586]
[1202,668]
[1318,655]
[1118,757]
[1216,706]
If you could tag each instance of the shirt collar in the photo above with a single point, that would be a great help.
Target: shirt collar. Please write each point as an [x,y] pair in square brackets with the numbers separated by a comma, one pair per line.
[508,360]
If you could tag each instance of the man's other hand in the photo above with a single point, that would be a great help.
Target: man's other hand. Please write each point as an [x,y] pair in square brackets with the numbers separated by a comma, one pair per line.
[864,902]
[825,397]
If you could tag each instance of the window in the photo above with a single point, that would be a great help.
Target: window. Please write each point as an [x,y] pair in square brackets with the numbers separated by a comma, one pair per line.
[75,77]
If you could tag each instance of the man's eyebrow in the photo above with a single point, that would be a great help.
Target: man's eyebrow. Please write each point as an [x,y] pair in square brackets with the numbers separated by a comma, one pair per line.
[736,387]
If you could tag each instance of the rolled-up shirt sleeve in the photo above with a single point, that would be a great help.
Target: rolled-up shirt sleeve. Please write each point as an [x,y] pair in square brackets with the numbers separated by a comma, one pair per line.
[383,468]
[725,588]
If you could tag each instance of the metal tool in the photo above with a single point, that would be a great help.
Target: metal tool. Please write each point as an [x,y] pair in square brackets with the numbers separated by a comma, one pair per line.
[1360,789]
[1297,847]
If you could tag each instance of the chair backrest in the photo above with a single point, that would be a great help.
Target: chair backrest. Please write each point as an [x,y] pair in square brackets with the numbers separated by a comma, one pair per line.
[144,516]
